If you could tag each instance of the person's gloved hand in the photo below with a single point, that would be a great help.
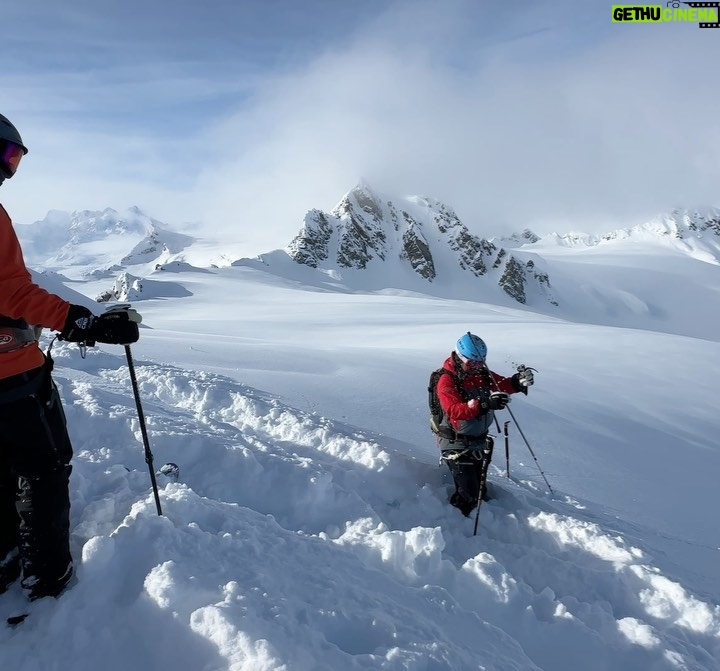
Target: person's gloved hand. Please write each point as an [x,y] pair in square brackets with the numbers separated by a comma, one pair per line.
[496,401]
[524,378]
[77,325]
[116,326]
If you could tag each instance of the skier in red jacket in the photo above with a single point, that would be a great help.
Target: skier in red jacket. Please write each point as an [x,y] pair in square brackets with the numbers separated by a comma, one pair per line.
[469,394]
[35,449]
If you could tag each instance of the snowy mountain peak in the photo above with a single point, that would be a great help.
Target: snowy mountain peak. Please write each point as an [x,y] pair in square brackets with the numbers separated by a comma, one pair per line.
[526,237]
[98,243]
[89,225]
[368,230]
[359,198]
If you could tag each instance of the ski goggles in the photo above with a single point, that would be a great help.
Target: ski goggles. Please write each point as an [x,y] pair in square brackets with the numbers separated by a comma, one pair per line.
[10,155]
[471,364]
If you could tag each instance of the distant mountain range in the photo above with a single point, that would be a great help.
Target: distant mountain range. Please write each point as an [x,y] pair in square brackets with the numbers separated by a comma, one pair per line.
[696,230]
[373,242]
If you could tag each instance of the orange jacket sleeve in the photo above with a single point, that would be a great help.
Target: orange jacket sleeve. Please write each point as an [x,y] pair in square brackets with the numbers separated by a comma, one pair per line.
[20,297]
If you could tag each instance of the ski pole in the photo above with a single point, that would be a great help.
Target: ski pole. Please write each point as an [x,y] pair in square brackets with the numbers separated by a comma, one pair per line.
[487,457]
[507,407]
[477,512]
[507,450]
[537,463]
[143,429]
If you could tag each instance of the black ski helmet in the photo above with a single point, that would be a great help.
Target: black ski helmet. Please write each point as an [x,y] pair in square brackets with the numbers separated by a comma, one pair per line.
[8,133]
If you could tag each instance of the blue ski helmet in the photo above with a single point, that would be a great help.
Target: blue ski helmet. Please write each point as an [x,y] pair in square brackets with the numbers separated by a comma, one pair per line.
[471,347]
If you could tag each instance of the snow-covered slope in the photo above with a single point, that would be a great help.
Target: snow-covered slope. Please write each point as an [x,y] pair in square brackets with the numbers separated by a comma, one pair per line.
[310,528]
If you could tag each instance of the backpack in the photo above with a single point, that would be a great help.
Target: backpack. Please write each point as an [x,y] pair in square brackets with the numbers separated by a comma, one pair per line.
[436,411]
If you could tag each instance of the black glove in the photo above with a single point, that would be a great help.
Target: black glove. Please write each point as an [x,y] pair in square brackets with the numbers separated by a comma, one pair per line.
[77,325]
[117,326]
[498,400]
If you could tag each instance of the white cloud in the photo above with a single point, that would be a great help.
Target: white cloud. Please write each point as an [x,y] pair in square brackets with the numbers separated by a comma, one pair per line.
[513,122]
[625,129]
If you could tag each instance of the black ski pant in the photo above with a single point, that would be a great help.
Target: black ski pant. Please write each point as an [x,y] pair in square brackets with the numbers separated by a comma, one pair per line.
[35,453]
[466,467]
[467,474]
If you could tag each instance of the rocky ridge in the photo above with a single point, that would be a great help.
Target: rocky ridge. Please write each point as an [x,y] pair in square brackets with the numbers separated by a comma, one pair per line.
[365,230]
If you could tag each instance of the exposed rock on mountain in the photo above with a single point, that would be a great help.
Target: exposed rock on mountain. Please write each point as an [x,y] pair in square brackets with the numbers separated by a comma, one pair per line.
[527,237]
[518,275]
[311,246]
[416,250]
[513,280]
[422,234]
[126,287]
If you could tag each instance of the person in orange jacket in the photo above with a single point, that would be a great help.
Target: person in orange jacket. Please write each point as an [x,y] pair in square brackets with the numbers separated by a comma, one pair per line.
[35,449]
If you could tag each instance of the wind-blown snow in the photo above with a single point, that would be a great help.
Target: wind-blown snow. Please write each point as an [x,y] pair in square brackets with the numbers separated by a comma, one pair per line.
[310,528]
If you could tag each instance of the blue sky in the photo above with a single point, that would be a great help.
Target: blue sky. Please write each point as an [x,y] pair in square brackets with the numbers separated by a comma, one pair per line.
[232,113]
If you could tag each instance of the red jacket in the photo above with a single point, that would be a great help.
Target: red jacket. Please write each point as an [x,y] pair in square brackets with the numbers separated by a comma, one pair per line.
[21,298]
[456,407]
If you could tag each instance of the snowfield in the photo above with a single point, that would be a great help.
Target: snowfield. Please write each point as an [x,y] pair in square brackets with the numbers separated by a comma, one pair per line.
[310,530]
